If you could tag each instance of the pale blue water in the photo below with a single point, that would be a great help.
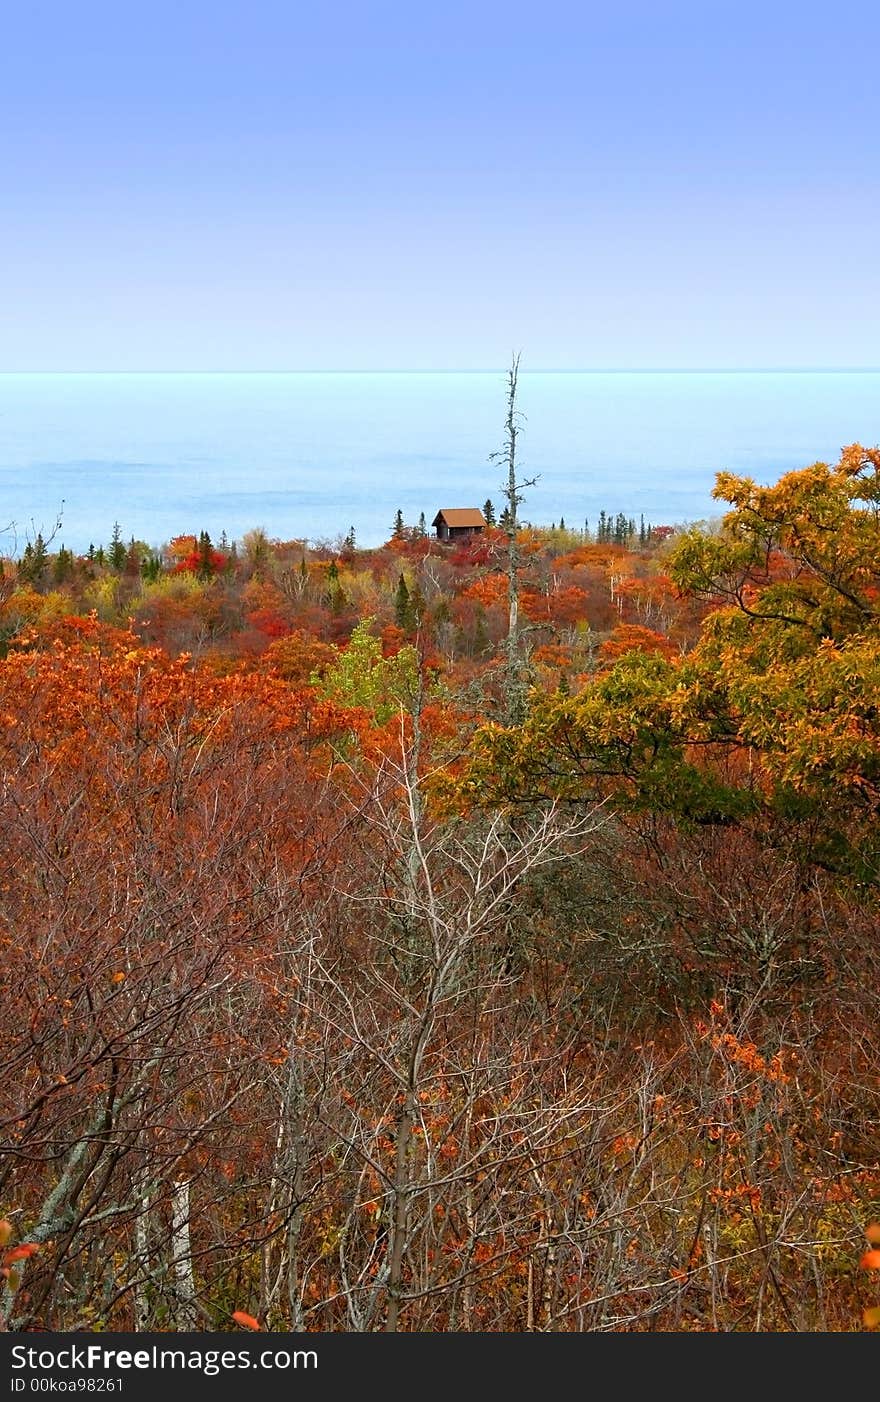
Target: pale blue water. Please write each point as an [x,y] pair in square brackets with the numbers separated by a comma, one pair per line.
[310,455]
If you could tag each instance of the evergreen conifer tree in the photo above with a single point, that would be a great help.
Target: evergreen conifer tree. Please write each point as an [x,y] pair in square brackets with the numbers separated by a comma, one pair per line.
[33,563]
[402,606]
[205,552]
[118,552]
[62,567]
[417,605]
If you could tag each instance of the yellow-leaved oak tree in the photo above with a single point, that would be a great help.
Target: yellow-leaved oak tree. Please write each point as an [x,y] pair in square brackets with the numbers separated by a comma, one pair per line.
[773,718]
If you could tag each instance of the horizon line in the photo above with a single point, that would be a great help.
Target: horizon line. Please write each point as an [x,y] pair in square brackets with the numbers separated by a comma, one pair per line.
[493,370]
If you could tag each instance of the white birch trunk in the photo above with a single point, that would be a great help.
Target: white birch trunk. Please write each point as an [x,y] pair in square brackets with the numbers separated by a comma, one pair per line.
[181,1258]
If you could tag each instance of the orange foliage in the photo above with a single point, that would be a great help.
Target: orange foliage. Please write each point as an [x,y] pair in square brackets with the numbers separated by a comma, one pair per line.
[556,656]
[297,656]
[632,637]
[489,589]
[247,1321]
[180,547]
[20,1253]
[393,639]
[559,607]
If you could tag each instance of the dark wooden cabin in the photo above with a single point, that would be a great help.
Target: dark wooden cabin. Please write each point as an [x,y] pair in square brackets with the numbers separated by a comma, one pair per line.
[459,523]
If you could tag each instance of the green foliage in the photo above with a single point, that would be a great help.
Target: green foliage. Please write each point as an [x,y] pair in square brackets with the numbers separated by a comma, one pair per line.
[62,567]
[33,565]
[151,568]
[102,595]
[774,712]
[805,551]
[118,553]
[403,613]
[361,677]
[206,556]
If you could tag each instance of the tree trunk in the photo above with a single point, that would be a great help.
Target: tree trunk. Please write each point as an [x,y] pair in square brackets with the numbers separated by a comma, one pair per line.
[181,1258]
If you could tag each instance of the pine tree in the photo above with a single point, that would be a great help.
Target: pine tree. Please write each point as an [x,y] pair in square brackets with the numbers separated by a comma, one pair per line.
[334,588]
[423,525]
[33,563]
[403,606]
[398,530]
[133,559]
[151,568]
[118,552]
[417,605]
[489,512]
[62,567]
[206,554]
[26,564]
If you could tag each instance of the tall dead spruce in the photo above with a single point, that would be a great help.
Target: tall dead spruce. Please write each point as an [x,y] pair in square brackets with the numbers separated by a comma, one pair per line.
[515,682]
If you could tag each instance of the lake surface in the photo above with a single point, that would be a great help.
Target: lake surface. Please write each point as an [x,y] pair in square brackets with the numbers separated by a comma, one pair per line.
[311,455]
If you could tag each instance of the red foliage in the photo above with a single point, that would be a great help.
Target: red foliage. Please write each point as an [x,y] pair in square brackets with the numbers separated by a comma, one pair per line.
[272,623]
[196,563]
[392,639]
[471,552]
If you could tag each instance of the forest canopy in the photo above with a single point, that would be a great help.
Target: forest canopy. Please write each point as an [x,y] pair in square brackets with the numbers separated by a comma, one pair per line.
[338,999]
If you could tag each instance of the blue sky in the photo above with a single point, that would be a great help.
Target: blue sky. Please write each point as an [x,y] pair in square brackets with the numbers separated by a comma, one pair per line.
[328,186]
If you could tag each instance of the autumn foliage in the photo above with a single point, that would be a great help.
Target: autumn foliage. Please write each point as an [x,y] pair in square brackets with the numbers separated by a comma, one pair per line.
[335,1003]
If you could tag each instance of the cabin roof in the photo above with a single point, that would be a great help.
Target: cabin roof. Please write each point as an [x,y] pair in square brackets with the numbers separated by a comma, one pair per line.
[460,516]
